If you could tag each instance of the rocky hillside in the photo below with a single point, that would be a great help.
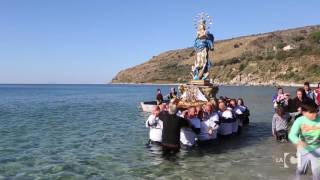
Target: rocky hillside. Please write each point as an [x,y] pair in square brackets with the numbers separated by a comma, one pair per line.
[288,56]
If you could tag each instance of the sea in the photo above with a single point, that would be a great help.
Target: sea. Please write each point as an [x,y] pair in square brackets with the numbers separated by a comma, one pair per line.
[98,132]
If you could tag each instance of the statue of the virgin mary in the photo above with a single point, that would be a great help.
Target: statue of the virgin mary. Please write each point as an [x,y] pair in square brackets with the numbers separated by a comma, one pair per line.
[203,43]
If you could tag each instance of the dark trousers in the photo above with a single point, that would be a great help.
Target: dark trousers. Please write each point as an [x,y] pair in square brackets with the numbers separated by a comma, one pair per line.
[169,150]
[282,135]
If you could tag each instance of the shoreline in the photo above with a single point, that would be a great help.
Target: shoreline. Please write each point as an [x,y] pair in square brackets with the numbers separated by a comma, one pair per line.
[222,84]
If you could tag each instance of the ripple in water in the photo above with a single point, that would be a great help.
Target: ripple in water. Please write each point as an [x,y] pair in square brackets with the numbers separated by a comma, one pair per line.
[98,132]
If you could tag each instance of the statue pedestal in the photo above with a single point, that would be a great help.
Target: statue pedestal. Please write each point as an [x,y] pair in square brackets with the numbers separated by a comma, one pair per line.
[208,90]
[199,82]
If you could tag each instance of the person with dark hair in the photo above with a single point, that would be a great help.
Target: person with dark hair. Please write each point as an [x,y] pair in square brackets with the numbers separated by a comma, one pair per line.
[308,90]
[159,97]
[278,97]
[245,112]
[173,94]
[317,94]
[280,122]
[295,104]
[305,134]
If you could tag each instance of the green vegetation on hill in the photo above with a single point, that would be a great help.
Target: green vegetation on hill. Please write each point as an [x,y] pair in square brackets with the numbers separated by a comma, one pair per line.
[282,56]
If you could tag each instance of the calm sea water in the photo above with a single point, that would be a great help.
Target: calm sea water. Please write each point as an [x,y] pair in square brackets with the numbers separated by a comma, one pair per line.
[98,132]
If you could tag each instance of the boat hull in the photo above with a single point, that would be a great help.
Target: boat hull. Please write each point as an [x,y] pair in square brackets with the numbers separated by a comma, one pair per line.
[148,106]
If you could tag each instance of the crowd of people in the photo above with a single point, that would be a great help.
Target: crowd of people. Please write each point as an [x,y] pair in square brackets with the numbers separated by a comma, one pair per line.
[174,128]
[303,110]
[172,95]
[288,109]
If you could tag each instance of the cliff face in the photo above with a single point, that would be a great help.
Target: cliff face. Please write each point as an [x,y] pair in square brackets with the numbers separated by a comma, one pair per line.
[283,56]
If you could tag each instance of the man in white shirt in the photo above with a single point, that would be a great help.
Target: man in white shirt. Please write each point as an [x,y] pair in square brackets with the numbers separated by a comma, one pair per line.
[236,113]
[188,135]
[209,125]
[226,119]
[155,125]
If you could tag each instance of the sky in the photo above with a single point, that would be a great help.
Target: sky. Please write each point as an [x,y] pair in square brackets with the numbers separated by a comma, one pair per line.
[89,41]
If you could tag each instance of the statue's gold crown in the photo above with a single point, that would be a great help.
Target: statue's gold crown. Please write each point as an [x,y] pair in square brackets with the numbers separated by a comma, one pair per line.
[201,20]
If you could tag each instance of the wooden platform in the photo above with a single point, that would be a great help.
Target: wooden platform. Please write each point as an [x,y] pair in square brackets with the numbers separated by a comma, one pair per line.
[200,82]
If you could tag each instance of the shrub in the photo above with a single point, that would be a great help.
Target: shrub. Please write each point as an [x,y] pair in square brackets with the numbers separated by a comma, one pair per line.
[280,45]
[258,57]
[242,66]
[281,55]
[298,38]
[314,37]
[314,69]
[246,55]
[269,55]
[228,62]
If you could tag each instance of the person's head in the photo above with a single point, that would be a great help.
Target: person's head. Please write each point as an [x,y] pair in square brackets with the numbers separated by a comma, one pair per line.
[172,108]
[198,109]
[173,90]
[222,106]
[233,103]
[240,102]
[192,112]
[301,94]
[208,108]
[287,95]
[162,107]
[306,86]
[156,111]
[158,91]
[280,111]
[280,90]
[309,109]
[214,104]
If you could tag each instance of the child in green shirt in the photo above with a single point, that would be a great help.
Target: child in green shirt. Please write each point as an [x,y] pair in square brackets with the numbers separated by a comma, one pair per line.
[305,133]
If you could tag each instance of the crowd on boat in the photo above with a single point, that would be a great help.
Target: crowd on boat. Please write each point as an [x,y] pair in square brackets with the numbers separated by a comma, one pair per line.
[174,128]
[288,109]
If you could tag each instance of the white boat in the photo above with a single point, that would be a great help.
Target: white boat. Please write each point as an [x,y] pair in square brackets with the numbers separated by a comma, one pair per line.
[148,105]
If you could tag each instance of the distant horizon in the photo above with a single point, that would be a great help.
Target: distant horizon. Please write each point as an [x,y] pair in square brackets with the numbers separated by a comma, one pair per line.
[80,42]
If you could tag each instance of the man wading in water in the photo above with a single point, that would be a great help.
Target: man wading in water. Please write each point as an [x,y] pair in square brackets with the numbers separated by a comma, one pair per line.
[171,130]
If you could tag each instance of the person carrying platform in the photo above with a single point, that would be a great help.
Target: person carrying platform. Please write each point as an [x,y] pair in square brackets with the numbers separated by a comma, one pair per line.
[209,125]
[171,129]
[155,126]
[226,119]
[245,110]
[235,124]
[188,134]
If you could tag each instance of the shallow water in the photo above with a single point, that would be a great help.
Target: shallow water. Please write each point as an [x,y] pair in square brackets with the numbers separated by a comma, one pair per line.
[98,132]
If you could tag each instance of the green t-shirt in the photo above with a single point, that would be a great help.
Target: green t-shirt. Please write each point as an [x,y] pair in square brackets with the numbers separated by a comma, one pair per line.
[307,131]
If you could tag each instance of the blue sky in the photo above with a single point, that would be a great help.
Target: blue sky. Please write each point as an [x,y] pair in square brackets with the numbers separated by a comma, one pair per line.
[78,41]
